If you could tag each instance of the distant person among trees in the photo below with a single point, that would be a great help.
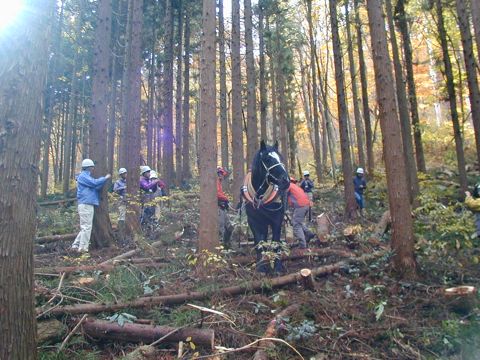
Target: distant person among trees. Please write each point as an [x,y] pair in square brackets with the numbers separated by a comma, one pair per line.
[300,202]
[120,188]
[88,196]
[225,228]
[472,201]
[148,187]
[307,184]
[160,191]
[360,185]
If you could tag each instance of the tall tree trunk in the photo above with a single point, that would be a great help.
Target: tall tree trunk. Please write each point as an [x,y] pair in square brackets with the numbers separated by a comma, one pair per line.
[73,108]
[49,106]
[252,127]
[316,128]
[476,23]
[400,209]
[281,89]
[131,146]
[208,229]
[402,23]
[470,67]
[23,61]
[452,97]
[262,75]
[412,177]
[237,133]
[186,173]
[168,95]
[350,204]
[223,86]
[273,86]
[178,100]
[102,233]
[150,103]
[355,100]
[364,86]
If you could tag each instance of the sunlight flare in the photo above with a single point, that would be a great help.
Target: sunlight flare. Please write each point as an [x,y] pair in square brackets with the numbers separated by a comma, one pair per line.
[9,11]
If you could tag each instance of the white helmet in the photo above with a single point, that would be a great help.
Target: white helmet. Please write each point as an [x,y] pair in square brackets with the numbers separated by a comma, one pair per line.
[144,169]
[153,174]
[360,171]
[86,163]
[306,173]
[122,171]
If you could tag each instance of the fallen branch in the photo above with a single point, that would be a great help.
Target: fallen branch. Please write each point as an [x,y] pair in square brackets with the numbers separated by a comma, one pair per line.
[71,333]
[245,260]
[253,286]
[142,262]
[129,332]
[131,253]
[271,332]
[55,202]
[55,238]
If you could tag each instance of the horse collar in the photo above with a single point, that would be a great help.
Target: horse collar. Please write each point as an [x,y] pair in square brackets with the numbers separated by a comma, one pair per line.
[251,196]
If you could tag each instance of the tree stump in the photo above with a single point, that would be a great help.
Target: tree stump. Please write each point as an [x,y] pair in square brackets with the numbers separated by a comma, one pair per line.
[307,279]
[323,227]
[461,299]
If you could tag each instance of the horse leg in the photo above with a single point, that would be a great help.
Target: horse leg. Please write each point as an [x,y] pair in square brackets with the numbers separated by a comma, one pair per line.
[260,231]
[276,237]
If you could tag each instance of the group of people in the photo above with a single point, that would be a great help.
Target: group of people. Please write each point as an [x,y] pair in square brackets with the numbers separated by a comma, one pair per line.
[88,196]
[299,196]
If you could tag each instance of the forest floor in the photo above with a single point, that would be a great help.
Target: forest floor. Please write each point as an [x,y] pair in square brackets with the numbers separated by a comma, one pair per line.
[360,311]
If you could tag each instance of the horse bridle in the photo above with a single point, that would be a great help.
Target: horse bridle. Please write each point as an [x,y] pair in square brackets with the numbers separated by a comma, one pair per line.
[269,174]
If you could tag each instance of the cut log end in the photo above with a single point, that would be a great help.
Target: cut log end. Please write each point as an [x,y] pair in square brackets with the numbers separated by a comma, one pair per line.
[307,279]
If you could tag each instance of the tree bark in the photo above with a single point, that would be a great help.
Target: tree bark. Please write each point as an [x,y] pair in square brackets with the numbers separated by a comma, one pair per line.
[402,24]
[350,204]
[252,126]
[23,64]
[405,126]
[470,67]
[178,100]
[168,96]
[273,86]
[262,74]
[452,97]
[280,77]
[237,133]
[400,209]
[476,23]
[223,87]
[102,232]
[208,228]
[316,128]
[186,173]
[355,100]
[364,86]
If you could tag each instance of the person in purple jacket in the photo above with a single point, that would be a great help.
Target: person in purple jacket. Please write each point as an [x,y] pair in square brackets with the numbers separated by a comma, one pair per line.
[147,187]
[88,196]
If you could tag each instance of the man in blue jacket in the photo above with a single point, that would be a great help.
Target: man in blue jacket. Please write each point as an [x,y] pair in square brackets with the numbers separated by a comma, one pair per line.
[88,196]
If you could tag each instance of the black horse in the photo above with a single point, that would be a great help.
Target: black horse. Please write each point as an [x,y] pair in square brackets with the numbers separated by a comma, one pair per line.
[264,191]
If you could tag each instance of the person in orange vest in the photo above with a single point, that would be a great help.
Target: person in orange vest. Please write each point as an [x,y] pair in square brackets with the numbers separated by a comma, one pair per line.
[225,227]
[300,202]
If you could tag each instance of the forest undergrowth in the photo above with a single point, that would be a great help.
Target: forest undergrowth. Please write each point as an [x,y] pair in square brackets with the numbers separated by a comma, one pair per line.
[361,311]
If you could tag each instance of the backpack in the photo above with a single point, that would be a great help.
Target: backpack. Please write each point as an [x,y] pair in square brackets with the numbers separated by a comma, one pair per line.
[476,191]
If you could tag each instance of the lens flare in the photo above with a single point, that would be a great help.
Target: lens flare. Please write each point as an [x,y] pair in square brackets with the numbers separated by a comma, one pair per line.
[9,11]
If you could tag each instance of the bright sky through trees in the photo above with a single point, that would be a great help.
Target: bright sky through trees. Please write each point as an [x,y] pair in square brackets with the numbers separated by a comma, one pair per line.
[9,11]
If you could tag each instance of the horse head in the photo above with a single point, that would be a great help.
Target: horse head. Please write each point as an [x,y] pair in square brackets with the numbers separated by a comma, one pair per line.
[268,167]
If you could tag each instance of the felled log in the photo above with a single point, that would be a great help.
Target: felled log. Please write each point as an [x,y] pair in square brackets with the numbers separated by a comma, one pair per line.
[253,286]
[55,238]
[271,332]
[129,332]
[50,331]
[323,227]
[461,299]
[142,262]
[307,279]
[56,202]
[244,260]
[383,225]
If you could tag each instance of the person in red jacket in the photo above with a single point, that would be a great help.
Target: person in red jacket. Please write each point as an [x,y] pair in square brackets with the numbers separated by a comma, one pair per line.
[300,202]
[225,228]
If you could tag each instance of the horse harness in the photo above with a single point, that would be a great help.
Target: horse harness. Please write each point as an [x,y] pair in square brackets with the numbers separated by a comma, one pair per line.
[271,195]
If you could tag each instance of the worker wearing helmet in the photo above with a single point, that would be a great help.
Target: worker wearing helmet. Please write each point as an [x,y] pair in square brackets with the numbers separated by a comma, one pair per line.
[120,188]
[148,187]
[88,196]
[307,184]
[225,227]
[360,185]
